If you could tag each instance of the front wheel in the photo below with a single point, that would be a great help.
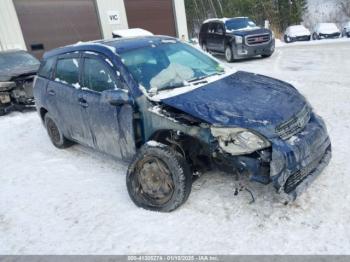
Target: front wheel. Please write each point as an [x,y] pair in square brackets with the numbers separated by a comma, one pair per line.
[287,39]
[158,178]
[229,54]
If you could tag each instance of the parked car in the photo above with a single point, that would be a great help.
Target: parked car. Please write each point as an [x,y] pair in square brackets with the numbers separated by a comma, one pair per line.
[296,33]
[326,30]
[132,32]
[173,111]
[236,38]
[346,29]
[17,71]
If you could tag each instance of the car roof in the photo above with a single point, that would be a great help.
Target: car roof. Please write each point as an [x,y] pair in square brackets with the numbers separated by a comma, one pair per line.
[111,46]
[224,19]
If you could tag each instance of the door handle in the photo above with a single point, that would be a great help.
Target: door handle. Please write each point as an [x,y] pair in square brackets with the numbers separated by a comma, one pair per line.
[83,102]
[52,93]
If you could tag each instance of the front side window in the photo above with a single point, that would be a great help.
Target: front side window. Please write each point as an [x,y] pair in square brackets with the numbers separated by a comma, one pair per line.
[67,71]
[97,76]
[169,65]
[46,67]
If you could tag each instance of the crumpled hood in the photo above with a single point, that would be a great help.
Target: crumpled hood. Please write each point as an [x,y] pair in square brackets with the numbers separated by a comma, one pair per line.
[242,99]
[7,75]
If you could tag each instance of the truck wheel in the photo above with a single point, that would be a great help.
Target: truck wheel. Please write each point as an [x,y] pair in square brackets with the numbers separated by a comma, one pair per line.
[229,54]
[266,55]
[55,134]
[158,178]
[204,47]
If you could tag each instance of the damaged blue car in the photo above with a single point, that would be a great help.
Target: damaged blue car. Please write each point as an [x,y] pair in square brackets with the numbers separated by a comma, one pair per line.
[173,111]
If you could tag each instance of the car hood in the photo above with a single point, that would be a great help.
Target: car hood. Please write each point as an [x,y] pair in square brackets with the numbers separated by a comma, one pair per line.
[241,99]
[7,75]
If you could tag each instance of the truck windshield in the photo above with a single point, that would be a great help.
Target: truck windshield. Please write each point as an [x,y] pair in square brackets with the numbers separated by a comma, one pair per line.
[12,61]
[239,24]
[169,65]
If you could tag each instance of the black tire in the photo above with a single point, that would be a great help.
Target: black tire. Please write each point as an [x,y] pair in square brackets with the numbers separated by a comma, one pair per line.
[158,178]
[205,48]
[55,134]
[287,39]
[266,55]
[2,112]
[229,54]
[315,36]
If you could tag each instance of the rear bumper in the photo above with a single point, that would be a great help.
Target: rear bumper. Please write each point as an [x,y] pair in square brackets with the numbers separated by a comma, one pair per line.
[245,51]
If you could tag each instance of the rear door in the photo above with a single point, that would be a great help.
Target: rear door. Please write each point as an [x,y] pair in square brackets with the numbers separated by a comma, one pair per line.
[111,126]
[63,99]
[218,37]
[210,36]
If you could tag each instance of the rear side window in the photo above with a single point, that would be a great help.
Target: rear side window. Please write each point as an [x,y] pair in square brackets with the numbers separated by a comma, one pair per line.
[204,28]
[67,71]
[46,67]
[98,76]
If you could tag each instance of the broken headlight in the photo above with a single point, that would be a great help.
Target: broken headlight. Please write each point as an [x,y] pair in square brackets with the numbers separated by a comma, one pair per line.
[239,141]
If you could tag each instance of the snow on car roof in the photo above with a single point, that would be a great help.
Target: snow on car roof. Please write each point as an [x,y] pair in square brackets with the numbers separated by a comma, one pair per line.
[132,32]
[114,45]
[224,19]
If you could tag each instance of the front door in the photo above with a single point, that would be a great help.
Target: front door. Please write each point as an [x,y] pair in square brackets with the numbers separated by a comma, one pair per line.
[111,126]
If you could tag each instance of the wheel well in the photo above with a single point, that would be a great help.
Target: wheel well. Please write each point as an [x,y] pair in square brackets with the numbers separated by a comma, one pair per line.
[194,151]
[43,112]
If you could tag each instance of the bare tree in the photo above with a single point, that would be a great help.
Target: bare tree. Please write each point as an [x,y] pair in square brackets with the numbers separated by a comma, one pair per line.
[345,7]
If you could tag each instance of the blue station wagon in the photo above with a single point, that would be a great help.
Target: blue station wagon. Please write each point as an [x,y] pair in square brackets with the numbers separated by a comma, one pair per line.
[173,111]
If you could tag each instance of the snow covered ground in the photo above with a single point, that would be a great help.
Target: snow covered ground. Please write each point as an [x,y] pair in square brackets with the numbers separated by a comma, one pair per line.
[75,201]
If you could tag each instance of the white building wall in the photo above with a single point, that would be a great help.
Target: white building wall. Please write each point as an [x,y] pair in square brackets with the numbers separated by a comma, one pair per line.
[11,36]
[180,18]
[110,7]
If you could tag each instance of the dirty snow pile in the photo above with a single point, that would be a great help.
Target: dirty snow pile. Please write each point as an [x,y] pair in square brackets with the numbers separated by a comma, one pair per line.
[75,201]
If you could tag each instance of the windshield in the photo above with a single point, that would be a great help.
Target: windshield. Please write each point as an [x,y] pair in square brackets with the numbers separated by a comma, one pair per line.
[10,61]
[239,24]
[169,65]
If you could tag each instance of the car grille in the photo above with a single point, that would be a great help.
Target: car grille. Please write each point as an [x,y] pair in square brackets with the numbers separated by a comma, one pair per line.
[295,124]
[258,39]
[295,179]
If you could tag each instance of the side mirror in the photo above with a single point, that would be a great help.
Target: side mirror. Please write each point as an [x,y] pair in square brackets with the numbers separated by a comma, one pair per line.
[117,97]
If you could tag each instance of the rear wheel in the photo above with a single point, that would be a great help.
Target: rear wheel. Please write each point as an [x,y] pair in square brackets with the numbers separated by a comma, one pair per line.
[315,36]
[55,134]
[159,178]
[204,47]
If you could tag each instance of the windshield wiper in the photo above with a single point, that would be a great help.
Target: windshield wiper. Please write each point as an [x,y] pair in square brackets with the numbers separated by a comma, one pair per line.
[205,76]
[173,86]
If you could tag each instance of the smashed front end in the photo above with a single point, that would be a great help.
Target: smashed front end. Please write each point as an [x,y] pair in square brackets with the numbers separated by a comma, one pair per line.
[294,157]
[16,93]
